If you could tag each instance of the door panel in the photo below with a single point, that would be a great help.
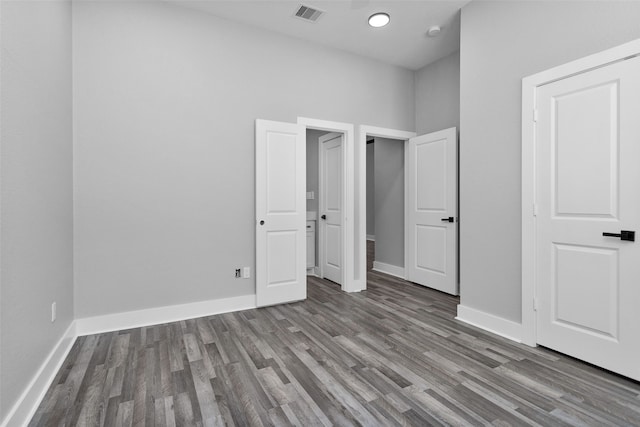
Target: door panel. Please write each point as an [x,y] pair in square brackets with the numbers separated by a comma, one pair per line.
[330,189]
[431,247]
[281,176]
[431,258]
[587,154]
[586,123]
[585,291]
[281,206]
[431,167]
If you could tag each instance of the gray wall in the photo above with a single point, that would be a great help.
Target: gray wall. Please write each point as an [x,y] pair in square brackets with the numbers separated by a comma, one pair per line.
[371,212]
[438,95]
[36,220]
[389,201]
[312,167]
[502,42]
[165,100]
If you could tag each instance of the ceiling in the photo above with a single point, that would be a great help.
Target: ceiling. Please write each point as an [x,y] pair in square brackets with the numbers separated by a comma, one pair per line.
[403,42]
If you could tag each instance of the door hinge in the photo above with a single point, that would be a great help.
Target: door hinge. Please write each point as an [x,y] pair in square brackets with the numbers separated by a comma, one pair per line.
[535,304]
[535,209]
[535,114]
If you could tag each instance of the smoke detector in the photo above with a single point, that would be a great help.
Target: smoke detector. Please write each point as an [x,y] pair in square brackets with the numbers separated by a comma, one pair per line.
[434,31]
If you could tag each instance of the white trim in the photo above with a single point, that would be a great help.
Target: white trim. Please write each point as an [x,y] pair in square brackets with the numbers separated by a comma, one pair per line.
[371,237]
[28,402]
[161,315]
[528,220]
[494,324]
[349,284]
[407,250]
[363,132]
[529,88]
[392,270]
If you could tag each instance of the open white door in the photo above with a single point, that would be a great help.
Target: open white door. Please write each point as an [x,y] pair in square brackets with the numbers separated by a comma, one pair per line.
[280,213]
[330,222]
[587,175]
[431,258]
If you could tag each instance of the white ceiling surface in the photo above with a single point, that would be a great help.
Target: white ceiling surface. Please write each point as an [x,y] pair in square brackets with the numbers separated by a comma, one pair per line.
[344,25]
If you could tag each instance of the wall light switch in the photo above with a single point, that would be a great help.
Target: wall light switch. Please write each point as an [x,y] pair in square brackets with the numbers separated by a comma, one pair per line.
[310,195]
[246,272]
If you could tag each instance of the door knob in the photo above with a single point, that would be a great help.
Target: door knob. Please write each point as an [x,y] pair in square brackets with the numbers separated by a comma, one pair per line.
[449,219]
[261,222]
[627,235]
[323,217]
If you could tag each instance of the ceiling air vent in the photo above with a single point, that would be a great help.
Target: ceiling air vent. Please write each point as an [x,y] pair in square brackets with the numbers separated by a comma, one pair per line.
[308,13]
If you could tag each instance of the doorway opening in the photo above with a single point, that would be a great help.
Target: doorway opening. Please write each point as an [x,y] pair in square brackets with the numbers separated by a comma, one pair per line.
[330,201]
[430,208]
[325,151]
[367,228]
[385,207]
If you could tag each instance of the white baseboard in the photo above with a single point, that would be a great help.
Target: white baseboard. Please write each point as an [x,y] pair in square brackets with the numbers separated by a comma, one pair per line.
[27,404]
[371,237]
[392,270]
[159,315]
[313,271]
[494,324]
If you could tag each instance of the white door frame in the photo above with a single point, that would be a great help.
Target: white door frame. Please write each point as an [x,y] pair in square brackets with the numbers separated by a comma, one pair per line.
[349,284]
[363,132]
[530,85]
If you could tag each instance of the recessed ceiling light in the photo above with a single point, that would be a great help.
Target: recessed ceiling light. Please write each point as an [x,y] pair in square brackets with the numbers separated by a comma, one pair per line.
[379,19]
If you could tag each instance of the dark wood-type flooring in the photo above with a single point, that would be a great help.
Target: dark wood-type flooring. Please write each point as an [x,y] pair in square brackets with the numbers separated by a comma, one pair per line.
[392,355]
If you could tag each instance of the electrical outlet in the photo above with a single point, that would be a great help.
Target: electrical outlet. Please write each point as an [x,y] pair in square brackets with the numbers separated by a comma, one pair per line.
[53,312]
[238,273]
[246,272]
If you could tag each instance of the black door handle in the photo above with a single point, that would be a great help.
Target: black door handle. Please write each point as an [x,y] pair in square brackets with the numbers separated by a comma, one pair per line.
[629,236]
[450,219]
[261,222]
[323,217]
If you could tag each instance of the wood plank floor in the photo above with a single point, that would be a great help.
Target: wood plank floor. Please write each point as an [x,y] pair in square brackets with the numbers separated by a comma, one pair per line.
[393,355]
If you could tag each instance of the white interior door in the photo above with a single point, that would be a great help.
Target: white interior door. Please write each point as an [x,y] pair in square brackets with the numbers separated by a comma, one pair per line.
[587,181]
[280,213]
[331,216]
[432,227]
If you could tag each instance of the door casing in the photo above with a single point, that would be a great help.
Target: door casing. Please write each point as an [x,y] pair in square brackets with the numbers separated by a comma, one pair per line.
[530,85]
